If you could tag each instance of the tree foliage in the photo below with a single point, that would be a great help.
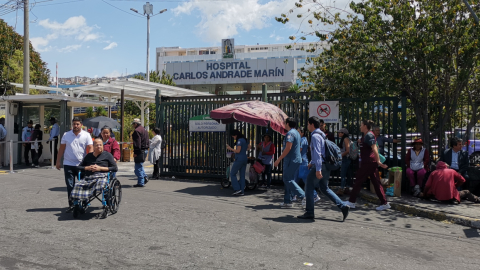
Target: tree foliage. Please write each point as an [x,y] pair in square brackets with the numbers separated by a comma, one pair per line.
[426,49]
[11,62]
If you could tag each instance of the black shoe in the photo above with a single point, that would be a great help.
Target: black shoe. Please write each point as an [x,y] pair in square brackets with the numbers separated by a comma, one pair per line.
[345,210]
[69,209]
[145,180]
[138,185]
[236,192]
[306,216]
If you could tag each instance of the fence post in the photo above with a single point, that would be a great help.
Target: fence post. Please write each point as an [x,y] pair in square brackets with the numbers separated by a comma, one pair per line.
[11,157]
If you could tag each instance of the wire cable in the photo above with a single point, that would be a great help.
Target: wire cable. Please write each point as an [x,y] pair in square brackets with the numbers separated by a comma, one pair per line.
[122,9]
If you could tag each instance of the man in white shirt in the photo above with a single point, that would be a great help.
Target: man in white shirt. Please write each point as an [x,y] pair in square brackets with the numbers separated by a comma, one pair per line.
[75,145]
[54,138]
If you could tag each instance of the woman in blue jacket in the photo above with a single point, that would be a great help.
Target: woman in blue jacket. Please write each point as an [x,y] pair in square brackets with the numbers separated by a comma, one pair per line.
[240,163]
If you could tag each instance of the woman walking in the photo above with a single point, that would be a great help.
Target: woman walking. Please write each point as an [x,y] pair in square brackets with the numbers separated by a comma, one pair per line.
[155,153]
[37,147]
[240,163]
[368,167]
[344,146]
[303,166]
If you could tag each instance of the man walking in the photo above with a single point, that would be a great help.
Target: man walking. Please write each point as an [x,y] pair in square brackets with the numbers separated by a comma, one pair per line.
[75,145]
[292,160]
[26,134]
[140,150]
[54,138]
[3,135]
[319,172]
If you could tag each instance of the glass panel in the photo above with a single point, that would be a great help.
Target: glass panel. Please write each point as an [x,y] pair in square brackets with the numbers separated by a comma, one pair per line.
[53,111]
[31,113]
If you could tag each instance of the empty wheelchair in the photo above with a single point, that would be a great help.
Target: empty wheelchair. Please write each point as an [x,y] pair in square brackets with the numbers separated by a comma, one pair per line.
[110,195]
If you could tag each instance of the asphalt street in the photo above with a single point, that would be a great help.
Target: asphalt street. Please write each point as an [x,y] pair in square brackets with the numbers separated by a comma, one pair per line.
[178,224]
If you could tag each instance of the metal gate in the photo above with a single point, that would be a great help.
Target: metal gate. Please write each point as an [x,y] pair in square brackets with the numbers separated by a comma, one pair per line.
[203,155]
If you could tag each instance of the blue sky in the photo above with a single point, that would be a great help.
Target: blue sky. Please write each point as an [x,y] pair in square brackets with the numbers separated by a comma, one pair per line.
[104,38]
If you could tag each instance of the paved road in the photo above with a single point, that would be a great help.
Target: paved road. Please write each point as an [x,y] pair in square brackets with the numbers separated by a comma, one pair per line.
[197,225]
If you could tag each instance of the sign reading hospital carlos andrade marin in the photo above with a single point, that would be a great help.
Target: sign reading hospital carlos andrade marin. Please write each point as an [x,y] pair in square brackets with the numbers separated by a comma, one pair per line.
[203,123]
[230,71]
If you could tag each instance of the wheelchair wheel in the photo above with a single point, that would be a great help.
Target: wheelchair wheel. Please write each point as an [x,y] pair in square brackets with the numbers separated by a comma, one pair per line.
[115,196]
[252,181]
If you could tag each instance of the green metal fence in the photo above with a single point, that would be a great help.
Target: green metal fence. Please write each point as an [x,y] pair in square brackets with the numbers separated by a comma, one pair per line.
[203,155]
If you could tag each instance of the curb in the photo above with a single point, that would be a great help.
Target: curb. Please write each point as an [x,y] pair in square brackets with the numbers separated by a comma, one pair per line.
[430,214]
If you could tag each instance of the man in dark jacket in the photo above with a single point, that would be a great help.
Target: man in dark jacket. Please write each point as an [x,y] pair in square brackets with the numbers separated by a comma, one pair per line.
[456,158]
[140,150]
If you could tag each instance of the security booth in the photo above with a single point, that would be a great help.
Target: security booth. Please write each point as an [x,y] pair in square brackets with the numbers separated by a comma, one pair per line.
[20,108]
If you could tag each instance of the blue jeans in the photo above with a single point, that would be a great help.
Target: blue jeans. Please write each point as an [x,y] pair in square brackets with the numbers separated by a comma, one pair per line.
[238,165]
[291,187]
[71,172]
[312,180]
[139,171]
[344,171]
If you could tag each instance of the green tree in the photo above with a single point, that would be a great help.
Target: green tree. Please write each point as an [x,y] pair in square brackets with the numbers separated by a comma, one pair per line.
[11,62]
[101,112]
[89,112]
[427,49]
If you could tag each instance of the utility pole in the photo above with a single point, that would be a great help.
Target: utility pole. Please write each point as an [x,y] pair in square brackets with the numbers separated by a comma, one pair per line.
[148,12]
[26,50]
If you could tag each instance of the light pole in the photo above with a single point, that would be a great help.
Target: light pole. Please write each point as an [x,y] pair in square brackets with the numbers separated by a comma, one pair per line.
[148,12]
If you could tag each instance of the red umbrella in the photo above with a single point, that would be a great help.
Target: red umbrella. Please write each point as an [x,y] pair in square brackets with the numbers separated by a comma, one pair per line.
[253,112]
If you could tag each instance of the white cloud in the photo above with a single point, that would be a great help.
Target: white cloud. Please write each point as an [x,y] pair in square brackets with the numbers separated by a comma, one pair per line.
[111,46]
[225,19]
[70,48]
[75,27]
[113,74]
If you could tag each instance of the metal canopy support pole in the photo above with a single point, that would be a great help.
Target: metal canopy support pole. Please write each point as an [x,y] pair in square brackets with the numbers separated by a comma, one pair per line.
[63,122]
[109,106]
[26,49]
[147,116]
[147,75]
[11,156]
[264,93]
[158,117]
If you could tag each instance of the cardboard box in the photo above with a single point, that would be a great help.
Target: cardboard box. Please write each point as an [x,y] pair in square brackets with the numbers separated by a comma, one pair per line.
[395,179]
[127,155]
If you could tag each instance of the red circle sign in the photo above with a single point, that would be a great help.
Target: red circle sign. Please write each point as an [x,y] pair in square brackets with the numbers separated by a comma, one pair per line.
[323,110]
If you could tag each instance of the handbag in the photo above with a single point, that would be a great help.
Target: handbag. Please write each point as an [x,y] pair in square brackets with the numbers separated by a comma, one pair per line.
[140,158]
[303,172]
[259,168]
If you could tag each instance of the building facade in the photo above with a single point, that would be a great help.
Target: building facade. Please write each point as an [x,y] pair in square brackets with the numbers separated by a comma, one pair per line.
[214,70]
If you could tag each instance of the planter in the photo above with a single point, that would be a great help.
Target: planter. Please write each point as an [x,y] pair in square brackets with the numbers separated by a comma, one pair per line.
[127,155]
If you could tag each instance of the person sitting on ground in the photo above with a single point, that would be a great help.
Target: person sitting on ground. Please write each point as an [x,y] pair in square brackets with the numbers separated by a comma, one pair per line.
[456,158]
[110,144]
[266,150]
[443,183]
[96,166]
[417,160]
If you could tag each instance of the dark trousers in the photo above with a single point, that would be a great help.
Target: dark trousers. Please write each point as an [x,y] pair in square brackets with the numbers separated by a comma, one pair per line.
[267,175]
[467,195]
[156,168]
[71,172]
[366,170]
[55,149]
[36,156]
[26,153]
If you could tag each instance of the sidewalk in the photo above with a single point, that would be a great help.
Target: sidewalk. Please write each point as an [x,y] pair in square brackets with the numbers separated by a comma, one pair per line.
[465,213]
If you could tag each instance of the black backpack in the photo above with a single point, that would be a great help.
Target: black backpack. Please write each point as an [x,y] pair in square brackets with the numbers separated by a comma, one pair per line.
[333,154]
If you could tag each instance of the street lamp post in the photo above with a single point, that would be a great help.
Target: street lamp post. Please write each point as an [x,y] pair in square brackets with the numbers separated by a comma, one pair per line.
[148,12]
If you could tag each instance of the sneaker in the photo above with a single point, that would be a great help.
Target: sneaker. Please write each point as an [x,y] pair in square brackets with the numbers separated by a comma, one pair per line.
[237,192]
[145,179]
[304,202]
[317,199]
[416,190]
[350,204]
[286,205]
[383,207]
[240,194]
[263,186]
[294,198]
[306,216]
[37,166]
[138,185]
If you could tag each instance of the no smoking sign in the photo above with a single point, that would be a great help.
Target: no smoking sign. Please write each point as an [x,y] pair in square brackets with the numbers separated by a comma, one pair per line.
[325,110]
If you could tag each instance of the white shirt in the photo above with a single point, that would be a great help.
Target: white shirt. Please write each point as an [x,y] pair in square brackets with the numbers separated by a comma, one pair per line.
[75,147]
